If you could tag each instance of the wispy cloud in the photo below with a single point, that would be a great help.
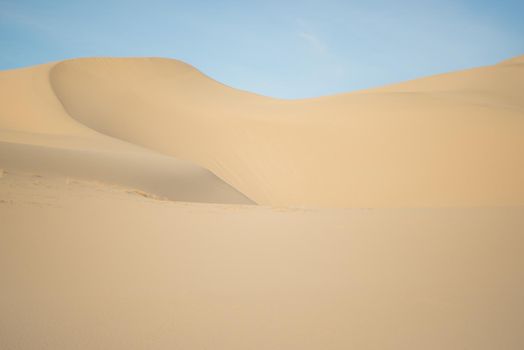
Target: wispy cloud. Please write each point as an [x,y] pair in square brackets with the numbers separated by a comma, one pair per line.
[314,42]
[307,33]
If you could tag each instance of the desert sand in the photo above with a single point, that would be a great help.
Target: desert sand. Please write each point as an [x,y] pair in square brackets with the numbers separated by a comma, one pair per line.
[144,205]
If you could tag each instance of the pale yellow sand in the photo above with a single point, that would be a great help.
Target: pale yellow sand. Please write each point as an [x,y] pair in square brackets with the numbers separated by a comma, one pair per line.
[101,247]
[89,266]
[454,139]
[37,134]
[449,140]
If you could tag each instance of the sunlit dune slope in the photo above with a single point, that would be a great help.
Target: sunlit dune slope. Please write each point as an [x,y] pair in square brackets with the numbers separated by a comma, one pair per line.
[38,135]
[448,140]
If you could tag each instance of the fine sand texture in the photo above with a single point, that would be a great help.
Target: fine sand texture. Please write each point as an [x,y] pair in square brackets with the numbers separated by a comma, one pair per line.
[84,265]
[144,205]
[450,140]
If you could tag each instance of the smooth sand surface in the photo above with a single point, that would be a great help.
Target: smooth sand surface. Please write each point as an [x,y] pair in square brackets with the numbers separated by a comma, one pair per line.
[390,218]
[103,267]
[450,140]
[37,134]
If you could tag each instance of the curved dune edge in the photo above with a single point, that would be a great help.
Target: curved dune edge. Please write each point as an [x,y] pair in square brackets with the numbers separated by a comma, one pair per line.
[39,136]
[448,140]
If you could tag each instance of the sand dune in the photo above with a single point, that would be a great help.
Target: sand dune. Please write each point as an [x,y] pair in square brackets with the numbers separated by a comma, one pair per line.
[101,245]
[37,134]
[454,139]
[448,140]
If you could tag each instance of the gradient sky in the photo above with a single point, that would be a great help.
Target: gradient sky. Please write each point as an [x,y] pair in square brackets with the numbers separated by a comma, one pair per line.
[287,49]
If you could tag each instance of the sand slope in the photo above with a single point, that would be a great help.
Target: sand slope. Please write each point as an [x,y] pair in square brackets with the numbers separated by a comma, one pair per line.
[454,139]
[37,134]
[448,140]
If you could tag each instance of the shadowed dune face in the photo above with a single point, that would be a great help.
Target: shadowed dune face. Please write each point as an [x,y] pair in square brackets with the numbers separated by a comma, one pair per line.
[38,135]
[154,174]
[449,140]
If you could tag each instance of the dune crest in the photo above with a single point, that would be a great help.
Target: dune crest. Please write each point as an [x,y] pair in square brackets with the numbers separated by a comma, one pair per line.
[38,135]
[448,140]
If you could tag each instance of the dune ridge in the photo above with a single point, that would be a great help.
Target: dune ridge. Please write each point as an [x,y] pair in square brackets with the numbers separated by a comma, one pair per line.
[38,135]
[447,140]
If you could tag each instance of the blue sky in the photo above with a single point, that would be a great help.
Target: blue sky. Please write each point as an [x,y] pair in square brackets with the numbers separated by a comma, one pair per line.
[286,49]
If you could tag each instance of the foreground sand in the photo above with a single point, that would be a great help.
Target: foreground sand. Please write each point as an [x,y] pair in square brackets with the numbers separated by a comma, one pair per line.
[127,216]
[87,266]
